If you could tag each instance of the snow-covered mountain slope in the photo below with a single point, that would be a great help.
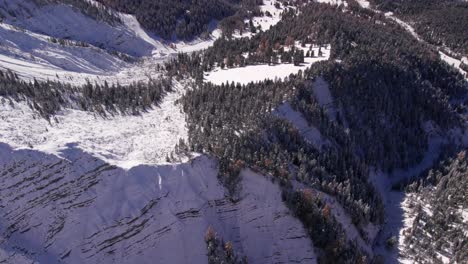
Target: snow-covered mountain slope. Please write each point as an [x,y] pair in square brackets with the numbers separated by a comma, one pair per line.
[121,140]
[443,51]
[30,36]
[435,213]
[399,214]
[31,46]
[34,55]
[65,22]
[59,42]
[81,209]
[272,15]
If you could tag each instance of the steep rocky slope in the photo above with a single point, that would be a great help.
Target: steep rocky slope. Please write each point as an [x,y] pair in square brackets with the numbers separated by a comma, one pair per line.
[80,209]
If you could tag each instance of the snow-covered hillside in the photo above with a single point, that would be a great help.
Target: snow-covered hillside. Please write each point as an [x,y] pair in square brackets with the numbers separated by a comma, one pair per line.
[59,42]
[80,209]
[32,55]
[125,141]
[272,15]
[454,62]
[30,46]
[65,22]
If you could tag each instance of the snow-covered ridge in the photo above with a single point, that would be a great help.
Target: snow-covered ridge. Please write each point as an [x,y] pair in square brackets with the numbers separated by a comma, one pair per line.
[456,63]
[80,209]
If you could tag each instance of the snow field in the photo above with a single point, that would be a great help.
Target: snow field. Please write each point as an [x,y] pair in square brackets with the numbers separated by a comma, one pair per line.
[333,2]
[257,73]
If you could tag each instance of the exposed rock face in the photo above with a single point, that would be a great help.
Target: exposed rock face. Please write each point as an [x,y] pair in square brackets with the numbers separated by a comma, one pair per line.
[82,210]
